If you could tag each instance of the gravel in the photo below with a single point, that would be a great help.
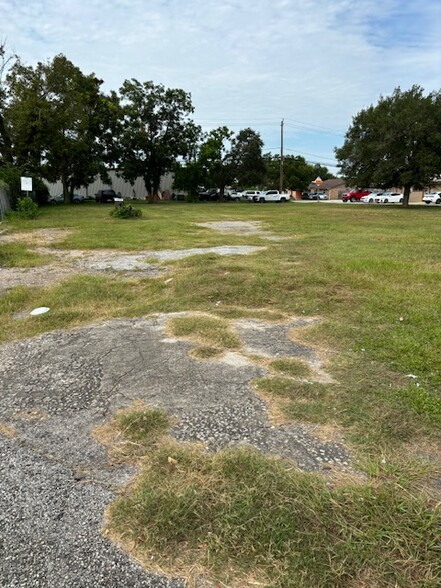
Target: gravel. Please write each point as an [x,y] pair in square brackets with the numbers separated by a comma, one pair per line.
[56,480]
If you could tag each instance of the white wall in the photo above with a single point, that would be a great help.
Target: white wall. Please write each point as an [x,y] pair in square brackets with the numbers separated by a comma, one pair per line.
[118,184]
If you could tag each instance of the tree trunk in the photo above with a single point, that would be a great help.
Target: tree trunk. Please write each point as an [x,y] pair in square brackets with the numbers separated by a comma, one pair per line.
[406,195]
[5,143]
[65,188]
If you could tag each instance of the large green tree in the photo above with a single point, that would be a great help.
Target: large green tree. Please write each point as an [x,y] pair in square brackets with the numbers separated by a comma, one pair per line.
[247,158]
[155,129]
[58,120]
[396,143]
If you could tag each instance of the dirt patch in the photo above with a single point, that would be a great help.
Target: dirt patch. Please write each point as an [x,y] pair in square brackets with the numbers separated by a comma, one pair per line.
[39,237]
[74,262]
[241,228]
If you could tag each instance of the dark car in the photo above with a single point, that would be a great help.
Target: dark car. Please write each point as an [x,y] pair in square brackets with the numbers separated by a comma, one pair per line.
[209,195]
[105,196]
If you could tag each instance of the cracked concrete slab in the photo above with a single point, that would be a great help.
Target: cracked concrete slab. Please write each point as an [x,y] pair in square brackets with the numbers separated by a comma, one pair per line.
[57,479]
[74,262]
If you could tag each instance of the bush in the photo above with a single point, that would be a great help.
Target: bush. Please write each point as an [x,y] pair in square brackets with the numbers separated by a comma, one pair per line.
[27,208]
[126,211]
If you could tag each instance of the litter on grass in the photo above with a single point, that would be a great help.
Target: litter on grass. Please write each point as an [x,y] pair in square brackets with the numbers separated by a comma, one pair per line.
[39,310]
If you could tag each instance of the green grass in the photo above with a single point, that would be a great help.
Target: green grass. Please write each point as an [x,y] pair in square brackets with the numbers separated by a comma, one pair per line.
[211,332]
[245,516]
[373,276]
[18,255]
[295,368]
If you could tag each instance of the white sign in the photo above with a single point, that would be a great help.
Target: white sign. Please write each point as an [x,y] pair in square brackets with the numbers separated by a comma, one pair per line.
[26,184]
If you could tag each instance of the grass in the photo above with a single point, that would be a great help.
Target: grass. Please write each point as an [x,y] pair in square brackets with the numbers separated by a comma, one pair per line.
[212,333]
[373,276]
[18,255]
[249,518]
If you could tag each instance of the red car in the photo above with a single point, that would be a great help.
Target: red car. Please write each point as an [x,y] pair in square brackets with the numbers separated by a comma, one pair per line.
[355,195]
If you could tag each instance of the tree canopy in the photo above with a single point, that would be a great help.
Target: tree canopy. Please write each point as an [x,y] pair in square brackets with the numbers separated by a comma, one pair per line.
[396,143]
[55,116]
[154,130]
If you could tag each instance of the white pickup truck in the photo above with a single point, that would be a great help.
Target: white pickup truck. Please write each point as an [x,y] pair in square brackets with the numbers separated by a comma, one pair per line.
[272,196]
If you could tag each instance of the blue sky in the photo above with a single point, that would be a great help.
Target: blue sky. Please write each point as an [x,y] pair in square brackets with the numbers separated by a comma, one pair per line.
[313,63]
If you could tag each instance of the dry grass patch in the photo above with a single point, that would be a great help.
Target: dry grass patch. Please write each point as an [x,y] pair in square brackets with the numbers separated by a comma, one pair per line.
[7,431]
[209,331]
[39,237]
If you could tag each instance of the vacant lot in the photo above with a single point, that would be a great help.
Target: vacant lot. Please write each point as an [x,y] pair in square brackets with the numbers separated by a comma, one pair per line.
[306,359]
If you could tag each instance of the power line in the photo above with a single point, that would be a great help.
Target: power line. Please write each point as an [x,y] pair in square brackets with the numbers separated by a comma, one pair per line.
[326,129]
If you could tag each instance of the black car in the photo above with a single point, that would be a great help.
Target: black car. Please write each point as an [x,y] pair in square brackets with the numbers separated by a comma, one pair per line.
[209,195]
[105,196]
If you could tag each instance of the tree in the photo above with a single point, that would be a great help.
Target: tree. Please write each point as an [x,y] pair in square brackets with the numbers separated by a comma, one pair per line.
[154,131]
[396,143]
[216,159]
[6,61]
[58,119]
[247,158]
[223,158]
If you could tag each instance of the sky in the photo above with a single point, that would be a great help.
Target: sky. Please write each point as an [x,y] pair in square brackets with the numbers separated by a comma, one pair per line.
[312,63]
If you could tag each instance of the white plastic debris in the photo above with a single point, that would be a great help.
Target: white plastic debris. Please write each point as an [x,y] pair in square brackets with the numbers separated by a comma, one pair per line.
[39,310]
[412,376]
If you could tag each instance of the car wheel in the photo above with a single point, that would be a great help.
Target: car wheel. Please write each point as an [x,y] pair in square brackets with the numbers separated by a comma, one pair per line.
[237,199]
[283,200]
[438,201]
[371,200]
[261,199]
[352,199]
[385,201]
[401,201]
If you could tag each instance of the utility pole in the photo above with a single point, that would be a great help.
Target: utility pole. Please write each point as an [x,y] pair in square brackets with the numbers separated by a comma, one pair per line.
[281,157]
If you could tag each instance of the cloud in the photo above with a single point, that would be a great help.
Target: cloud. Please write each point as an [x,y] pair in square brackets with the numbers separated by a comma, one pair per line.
[311,60]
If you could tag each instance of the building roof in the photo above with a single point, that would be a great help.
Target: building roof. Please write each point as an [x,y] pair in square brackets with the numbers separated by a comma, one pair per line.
[328,184]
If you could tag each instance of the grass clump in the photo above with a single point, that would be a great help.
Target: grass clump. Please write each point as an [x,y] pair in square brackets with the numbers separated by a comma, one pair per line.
[243,515]
[291,367]
[212,332]
[143,426]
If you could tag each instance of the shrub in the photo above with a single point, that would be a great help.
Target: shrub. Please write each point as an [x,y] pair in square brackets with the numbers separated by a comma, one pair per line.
[126,211]
[27,208]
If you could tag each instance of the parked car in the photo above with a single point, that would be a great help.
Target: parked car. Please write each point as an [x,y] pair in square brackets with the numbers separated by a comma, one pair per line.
[370,198]
[250,195]
[107,196]
[432,198]
[355,195]
[315,196]
[209,195]
[233,195]
[389,197]
[271,196]
[76,199]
